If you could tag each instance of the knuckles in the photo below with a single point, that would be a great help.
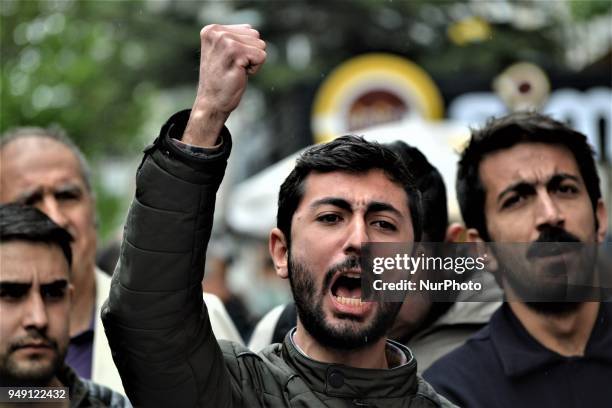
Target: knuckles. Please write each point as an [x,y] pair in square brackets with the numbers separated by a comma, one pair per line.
[229,45]
[211,34]
[215,32]
[204,31]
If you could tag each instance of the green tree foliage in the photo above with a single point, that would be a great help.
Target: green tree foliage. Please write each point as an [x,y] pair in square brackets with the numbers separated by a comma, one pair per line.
[90,67]
[75,64]
[586,9]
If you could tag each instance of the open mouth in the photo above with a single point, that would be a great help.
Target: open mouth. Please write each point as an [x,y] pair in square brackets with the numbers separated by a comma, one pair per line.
[346,289]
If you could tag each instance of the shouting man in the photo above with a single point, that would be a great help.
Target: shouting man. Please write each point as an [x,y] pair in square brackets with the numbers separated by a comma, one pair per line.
[338,196]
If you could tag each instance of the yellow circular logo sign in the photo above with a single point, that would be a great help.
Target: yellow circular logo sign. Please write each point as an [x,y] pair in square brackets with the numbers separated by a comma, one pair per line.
[370,90]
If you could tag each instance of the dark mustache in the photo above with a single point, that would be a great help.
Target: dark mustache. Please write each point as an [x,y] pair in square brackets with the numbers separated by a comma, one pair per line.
[551,234]
[556,234]
[352,262]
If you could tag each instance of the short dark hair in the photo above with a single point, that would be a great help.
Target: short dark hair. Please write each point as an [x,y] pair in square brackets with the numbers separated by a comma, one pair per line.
[350,154]
[431,185]
[505,132]
[25,223]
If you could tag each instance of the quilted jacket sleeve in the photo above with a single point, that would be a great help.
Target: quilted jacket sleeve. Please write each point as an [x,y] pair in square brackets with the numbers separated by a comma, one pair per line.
[155,319]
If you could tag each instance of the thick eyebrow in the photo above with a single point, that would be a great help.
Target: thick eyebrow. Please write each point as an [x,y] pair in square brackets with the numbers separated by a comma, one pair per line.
[58,283]
[69,187]
[557,179]
[377,206]
[374,206]
[336,202]
[36,194]
[10,286]
[522,185]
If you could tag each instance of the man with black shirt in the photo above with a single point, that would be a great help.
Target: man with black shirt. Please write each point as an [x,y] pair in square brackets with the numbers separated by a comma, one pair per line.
[528,187]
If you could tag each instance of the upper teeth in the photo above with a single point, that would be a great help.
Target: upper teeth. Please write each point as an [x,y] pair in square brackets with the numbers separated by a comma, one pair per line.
[353,275]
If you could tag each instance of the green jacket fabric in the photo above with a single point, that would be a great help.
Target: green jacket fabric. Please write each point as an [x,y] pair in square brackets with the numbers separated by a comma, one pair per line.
[157,323]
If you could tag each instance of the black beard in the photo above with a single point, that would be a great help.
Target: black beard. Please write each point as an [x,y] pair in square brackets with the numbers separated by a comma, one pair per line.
[310,311]
[12,376]
[553,309]
[563,295]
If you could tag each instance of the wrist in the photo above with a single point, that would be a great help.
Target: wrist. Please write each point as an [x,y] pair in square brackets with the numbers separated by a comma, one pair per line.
[204,126]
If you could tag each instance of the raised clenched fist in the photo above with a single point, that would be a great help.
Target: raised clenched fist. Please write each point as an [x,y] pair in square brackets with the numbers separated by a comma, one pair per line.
[229,53]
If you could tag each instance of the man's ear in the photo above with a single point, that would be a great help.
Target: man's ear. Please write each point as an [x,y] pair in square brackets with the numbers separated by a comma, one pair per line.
[277,245]
[482,249]
[455,233]
[602,220]
[472,235]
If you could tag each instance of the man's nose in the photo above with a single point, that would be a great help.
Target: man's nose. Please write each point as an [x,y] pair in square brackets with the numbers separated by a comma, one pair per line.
[50,206]
[35,313]
[549,213]
[357,235]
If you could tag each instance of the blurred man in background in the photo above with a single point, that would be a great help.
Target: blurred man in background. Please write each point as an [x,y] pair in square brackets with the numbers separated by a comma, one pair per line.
[429,326]
[35,305]
[525,178]
[216,281]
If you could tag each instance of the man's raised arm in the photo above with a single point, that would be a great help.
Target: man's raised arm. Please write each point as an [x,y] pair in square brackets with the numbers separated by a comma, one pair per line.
[229,55]
[155,319]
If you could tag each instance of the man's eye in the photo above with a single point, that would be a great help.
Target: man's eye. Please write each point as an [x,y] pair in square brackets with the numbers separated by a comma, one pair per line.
[568,189]
[31,200]
[386,225]
[67,195]
[512,201]
[329,218]
[53,292]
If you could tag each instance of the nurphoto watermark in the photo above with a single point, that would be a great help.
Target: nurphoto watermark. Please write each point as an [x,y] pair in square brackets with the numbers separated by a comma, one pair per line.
[537,272]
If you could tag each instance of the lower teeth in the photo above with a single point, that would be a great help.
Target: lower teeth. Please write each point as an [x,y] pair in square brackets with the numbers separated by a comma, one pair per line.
[349,301]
